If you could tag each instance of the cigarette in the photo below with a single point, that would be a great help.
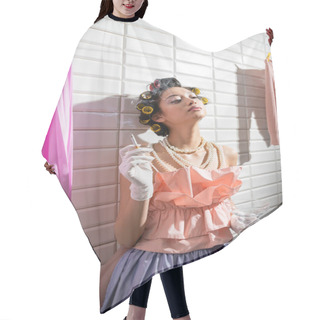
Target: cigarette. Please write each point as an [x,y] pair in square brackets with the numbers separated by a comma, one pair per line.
[134,140]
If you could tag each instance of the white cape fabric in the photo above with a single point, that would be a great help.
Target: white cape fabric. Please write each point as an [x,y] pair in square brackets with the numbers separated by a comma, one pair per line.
[113,63]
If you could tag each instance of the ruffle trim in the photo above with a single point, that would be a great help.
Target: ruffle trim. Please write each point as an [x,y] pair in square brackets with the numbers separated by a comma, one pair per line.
[186,223]
[195,187]
[184,245]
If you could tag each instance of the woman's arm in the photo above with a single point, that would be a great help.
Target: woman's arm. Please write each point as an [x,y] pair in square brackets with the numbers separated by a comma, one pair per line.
[230,155]
[132,216]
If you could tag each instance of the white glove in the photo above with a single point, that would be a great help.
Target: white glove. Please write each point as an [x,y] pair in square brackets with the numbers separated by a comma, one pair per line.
[241,221]
[136,167]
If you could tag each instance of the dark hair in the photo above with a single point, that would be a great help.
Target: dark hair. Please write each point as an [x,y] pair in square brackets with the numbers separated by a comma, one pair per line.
[106,7]
[148,103]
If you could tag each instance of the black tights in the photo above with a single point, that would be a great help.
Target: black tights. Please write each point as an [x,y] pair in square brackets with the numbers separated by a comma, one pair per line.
[172,281]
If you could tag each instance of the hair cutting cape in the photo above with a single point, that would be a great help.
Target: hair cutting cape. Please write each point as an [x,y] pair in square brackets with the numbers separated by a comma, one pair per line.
[113,63]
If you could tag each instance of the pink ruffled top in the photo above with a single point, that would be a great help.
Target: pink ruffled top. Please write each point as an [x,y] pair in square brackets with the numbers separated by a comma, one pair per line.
[190,210]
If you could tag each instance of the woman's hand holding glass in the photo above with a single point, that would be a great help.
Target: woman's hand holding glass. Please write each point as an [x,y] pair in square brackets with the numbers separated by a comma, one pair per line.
[136,167]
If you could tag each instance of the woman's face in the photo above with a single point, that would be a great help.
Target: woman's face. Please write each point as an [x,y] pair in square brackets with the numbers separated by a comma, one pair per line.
[126,8]
[179,106]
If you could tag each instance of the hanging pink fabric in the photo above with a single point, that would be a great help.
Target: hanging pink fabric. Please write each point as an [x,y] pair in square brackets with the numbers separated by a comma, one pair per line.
[58,145]
[271,103]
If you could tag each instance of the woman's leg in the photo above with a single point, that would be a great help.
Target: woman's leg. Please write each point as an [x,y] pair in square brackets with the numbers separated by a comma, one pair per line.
[173,285]
[138,302]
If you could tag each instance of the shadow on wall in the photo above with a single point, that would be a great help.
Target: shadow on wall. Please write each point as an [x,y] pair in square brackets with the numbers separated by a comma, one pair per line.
[99,128]
[251,112]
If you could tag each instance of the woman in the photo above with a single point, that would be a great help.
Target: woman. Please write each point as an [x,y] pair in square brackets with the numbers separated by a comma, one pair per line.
[172,111]
[123,9]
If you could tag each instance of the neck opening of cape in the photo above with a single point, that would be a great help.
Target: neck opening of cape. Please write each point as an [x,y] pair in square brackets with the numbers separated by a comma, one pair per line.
[112,16]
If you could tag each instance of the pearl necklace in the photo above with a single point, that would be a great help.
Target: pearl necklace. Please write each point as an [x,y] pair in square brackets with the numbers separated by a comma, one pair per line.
[185,163]
[202,143]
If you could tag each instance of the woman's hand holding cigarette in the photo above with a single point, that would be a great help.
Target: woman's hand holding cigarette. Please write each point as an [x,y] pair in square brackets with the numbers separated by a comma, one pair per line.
[136,167]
